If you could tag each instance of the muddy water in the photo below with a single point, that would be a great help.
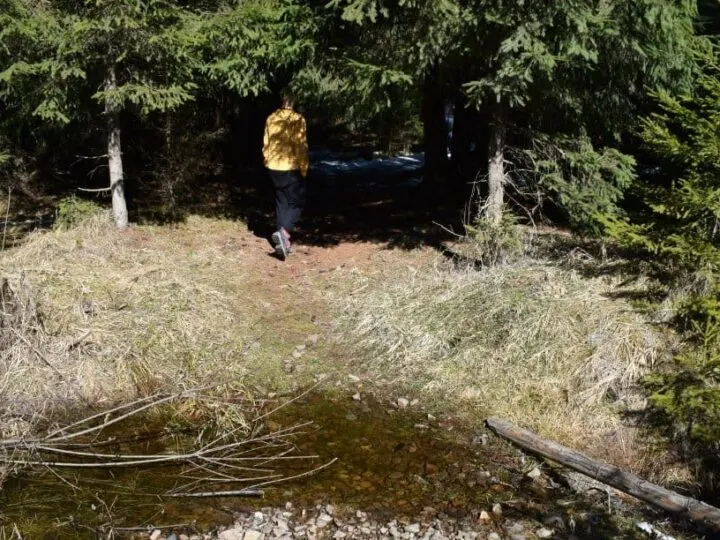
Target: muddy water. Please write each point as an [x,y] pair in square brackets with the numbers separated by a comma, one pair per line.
[389,461]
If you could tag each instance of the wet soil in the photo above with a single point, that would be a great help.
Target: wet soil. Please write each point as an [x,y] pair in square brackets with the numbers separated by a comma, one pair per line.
[391,462]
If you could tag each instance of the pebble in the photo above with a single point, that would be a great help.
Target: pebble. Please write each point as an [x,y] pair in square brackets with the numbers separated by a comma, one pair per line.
[414,528]
[327,522]
[155,534]
[324,520]
[231,534]
[534,474]
[403,403]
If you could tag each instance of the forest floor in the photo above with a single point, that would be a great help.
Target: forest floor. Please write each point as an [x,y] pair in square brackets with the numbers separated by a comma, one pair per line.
[414,345]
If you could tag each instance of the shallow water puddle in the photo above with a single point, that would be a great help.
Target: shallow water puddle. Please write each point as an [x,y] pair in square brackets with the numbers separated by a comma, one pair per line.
[394,462]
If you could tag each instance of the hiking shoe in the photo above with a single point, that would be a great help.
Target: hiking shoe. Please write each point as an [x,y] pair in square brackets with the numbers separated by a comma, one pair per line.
[282,244]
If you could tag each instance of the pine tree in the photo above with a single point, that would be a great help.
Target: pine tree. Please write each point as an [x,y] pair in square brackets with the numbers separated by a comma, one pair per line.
[124,52]
[577,68]
[109,59]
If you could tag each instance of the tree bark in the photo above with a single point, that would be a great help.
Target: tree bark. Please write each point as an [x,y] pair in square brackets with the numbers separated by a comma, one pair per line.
[115,164]
[496,167]
[617,478]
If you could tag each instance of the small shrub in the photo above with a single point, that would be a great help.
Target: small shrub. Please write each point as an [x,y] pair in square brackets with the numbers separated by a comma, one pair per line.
[73,212]
[495,244]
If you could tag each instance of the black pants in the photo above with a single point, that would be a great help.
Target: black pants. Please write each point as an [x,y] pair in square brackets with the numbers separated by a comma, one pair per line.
[290,194]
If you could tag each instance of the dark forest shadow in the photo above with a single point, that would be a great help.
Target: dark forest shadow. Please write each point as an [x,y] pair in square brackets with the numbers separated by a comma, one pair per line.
[393,209]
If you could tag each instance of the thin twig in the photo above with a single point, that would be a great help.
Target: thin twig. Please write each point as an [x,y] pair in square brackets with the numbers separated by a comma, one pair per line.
[251,491]
[98,415]
[238,493]
[286,403]
[40,355]
[97,190]
[449,230]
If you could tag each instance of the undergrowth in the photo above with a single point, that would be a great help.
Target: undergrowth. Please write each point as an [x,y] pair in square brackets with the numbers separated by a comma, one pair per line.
[92,317]
[536,344]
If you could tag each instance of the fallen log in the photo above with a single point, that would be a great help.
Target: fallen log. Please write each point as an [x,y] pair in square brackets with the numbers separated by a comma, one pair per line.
[629,483]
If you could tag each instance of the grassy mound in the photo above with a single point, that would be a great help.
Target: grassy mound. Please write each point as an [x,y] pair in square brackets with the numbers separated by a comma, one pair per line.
[92,316]
[536,344]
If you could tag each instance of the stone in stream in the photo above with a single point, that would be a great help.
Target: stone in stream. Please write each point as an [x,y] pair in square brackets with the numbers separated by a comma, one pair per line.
[324,520]
[231,534]
[414,528]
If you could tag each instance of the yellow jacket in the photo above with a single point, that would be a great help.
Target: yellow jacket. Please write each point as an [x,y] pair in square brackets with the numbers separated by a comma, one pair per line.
[285,146]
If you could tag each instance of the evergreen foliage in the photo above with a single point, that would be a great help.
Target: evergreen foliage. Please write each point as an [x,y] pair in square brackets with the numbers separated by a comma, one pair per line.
[679,228]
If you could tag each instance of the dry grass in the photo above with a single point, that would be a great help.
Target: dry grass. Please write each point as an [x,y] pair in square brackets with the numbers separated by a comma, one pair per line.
[538,345]
[101,317]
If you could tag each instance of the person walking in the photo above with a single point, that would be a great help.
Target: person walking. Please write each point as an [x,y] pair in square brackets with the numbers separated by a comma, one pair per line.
[285,150]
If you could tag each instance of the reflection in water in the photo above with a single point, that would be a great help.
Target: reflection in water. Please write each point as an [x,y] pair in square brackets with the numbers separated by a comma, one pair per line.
[389,461]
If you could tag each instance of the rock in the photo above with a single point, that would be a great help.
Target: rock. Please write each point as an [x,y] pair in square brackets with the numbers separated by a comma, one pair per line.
[330,510]
[493,536]
[297,354]
[554,521]
[415,403]
[313,339]
[184,537]
[402,403]
[497,509]
[324,520]
[414,528]
[354,378]
[339,534]
[253,535]
[288,506]
[357,397]
[172,536]
[155,534]
[534,474]
[258,519]
[300,348]
[231,534]
[362,516]
[431,417]
[515,528]
[544,533]
[484,516]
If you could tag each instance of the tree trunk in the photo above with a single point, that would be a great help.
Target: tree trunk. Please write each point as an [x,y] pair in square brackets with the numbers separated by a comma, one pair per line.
[608,474]
[496,167]
[115,165]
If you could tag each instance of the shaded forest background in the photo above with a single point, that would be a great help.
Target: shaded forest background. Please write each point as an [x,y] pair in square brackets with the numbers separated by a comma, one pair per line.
[597,115]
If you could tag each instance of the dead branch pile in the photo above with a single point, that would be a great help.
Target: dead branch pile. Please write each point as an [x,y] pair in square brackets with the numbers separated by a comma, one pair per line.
[235,461]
